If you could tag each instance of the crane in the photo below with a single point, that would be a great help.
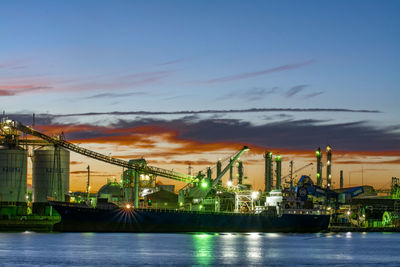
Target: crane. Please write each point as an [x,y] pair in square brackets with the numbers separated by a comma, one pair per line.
[10,129]
[295,171]
[206,185]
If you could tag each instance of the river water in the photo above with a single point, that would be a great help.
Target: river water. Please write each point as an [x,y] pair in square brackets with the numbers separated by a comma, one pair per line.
[199,249]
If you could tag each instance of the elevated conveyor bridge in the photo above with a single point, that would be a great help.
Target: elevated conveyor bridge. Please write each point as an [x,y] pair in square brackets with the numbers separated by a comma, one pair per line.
[10,127]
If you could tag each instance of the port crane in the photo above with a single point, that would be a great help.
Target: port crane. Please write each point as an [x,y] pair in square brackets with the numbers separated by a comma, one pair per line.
[197,195]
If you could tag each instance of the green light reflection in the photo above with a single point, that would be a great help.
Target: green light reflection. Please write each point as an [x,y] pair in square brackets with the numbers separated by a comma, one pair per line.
[203,244]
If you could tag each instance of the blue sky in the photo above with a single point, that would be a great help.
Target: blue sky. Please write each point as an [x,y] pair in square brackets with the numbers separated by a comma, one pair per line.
[63,57]
[349,50]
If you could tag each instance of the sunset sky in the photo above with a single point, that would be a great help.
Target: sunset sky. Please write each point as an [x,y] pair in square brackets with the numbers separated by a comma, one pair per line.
[193,81]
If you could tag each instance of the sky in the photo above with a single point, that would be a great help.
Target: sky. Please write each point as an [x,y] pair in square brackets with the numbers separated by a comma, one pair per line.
[193,81]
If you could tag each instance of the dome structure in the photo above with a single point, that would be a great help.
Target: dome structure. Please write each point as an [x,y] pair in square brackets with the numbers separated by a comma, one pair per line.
[111,191]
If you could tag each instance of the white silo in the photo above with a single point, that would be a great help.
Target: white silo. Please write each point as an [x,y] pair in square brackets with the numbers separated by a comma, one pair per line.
[50,176]
[13,180]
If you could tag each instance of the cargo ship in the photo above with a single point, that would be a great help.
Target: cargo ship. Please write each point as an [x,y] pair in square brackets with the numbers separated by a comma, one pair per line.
[113,218]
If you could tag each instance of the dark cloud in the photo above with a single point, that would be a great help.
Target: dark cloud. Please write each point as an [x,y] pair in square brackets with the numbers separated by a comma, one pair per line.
[287,134]
[295,90]
[171,62]
[114,95]
[259,93]
[281,116]
[255,93]
[291,134]
[311,95]
[6,93]
[10,90]
[394,161]
[257,73]
[48,118]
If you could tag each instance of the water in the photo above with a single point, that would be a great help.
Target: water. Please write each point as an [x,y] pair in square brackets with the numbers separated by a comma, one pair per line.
[119,249]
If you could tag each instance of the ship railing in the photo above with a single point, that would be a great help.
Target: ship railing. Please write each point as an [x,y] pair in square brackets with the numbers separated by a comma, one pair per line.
[199,212]
[305,211]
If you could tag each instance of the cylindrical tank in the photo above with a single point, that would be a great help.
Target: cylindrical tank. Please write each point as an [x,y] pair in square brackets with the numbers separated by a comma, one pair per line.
[50,174]
[12,176]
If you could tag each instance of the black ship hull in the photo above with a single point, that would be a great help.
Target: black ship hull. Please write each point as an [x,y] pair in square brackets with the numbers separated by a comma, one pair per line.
[78,218]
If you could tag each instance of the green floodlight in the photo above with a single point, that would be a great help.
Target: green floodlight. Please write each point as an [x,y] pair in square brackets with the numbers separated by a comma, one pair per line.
[278,157]
[204,184]
[318,153]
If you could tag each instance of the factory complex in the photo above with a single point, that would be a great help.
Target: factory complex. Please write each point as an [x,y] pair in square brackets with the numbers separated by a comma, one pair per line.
[205,203]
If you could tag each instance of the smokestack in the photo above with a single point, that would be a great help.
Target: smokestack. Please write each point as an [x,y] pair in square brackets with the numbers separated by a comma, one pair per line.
[319,167]
[341,179]
[209,173]
[240,172]
[278,171]
[268,172]
[219,166]
[328,165]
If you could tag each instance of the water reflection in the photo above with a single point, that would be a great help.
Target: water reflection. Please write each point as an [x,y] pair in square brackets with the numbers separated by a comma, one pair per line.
[254,248]
[229,248]
[122,249]
[348,235]
[203,248]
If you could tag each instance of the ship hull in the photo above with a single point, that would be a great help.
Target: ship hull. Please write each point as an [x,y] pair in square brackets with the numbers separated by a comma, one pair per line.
[85,219]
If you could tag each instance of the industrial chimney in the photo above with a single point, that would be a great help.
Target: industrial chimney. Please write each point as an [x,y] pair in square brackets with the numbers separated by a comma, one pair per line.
[341,179]
[219,166]
[240,172]
[328,166]
[319,167]
[278,171]
[268,172]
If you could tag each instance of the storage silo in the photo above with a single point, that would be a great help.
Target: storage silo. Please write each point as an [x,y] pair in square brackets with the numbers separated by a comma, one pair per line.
[50,177]
[12,181]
